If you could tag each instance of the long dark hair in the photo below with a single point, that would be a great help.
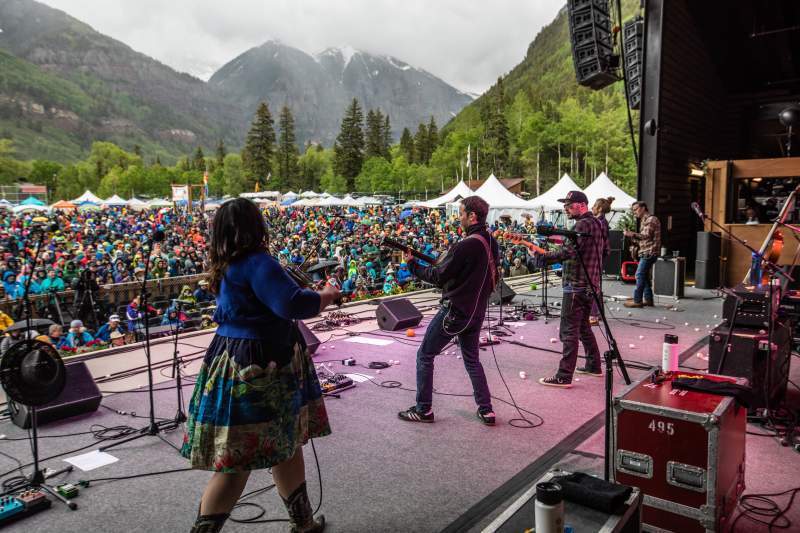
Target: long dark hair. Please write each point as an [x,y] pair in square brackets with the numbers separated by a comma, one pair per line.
[238,229]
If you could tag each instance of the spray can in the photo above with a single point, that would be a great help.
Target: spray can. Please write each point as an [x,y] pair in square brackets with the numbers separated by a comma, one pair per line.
[549,508]
[669,353]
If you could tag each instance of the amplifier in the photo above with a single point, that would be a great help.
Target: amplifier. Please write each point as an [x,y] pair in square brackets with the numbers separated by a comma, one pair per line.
[748,357]
[685,450]
[669,276]
[754,310]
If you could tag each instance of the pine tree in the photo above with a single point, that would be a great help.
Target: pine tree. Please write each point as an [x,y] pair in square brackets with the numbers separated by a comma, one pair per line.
[348,150]
[497,134]
[386,138]
[287,151]
[259,147]
[221,153]
[374,135]
[421,145]
[199,160]
[433,137]
[137,150]
[407,145]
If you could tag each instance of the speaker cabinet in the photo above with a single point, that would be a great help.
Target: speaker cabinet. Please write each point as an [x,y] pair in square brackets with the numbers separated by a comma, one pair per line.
[80,396]
[706,274]
[632,37]
[397,314]
[748,358]
[503,294]
[709,246]
[310,339]
[612,266]
[669,276]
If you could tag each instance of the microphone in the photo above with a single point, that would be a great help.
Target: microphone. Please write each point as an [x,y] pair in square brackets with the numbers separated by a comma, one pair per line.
[696,209]
[547,231]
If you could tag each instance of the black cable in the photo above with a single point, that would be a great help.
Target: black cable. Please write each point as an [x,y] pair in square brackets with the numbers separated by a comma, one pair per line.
[753,506]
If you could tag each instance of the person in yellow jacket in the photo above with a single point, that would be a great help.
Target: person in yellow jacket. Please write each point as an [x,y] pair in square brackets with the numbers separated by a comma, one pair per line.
[5,321]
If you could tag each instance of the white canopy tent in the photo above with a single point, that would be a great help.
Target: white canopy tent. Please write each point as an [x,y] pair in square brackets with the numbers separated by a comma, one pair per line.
[159,202]
[30,208]
[138,205]
[115,201]
[308,194]
[87,196]
[502,202]
[548,201]
[367,200]
[603,187]
[291,194]
[461,190]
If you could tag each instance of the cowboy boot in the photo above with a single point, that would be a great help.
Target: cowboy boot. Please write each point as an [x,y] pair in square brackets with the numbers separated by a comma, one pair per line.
[301,516]
[209,523]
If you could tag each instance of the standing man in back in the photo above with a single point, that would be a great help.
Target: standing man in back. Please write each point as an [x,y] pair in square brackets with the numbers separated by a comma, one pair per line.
[648,242]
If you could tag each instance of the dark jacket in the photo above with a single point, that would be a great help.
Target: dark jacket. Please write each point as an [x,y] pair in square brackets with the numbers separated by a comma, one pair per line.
[462,271]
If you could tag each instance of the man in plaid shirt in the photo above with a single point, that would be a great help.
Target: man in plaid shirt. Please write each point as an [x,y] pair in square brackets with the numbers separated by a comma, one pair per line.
[578,284]
[648,241]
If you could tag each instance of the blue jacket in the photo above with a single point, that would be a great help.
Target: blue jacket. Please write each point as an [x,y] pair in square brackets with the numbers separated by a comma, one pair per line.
[81,339]
[104,333]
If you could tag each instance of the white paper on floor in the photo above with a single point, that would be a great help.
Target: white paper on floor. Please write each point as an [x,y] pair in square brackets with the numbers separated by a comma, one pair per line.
[516,324]
[369,340]
[91,460]
[359,378]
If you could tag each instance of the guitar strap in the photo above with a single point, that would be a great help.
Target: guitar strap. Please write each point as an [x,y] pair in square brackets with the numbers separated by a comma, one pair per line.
[490,257]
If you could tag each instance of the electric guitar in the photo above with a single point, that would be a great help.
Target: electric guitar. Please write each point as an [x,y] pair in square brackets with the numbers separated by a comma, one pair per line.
[391,243]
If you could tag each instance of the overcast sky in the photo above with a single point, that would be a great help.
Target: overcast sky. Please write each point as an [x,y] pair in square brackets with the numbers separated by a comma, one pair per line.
[467,43]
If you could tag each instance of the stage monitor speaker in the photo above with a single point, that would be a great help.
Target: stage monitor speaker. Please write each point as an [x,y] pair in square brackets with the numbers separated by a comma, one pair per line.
[747,358]
[706,274]
[632,37]
[592,45]
[397,314]
[669,275]
[503,294]
[709,246]
[80,396]
[308,336]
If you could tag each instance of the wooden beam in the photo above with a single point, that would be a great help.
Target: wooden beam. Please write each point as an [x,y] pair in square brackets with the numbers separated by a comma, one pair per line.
[784,167]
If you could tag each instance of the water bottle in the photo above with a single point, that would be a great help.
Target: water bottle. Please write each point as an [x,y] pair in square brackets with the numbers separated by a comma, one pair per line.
[549,508]
[669,353]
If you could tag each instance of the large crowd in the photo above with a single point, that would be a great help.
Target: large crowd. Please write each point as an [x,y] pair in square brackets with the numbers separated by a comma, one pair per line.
[92,252]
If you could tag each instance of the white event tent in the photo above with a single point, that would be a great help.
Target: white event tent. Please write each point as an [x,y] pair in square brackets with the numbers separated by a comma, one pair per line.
[115,201]
[548,201]
[461,190]
[137,205]
[502,202]
[603,187]
[87,196]
[308,194]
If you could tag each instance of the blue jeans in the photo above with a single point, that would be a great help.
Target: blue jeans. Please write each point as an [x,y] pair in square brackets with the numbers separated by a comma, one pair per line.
[644,289]
[436,338]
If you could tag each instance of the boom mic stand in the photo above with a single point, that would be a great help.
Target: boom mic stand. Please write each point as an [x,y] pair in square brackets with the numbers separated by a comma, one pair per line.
[37,479]
[609,356]
[180,415]
[153,429]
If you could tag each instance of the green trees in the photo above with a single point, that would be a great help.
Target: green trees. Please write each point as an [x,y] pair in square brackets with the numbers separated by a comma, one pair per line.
[349,146]
[407,145]
[259,148]
[378,137]
[287,157]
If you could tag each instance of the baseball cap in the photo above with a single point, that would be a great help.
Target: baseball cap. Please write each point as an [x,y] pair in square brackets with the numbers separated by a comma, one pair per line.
[113,318]
[574,197]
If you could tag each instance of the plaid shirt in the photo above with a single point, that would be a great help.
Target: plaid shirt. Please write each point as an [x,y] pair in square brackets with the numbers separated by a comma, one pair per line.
[591,250]
[649,236]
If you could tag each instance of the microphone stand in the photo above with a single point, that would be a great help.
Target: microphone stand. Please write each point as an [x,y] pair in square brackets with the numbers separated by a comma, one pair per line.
[180,415]
[609,356]
[37,478]
[153,429]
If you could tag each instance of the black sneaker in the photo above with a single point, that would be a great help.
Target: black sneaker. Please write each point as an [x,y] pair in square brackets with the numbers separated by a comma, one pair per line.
[556,382]
[589,372]
[413,415]
[487,418]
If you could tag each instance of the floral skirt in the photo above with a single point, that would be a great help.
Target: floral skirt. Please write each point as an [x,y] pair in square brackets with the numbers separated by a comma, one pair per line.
[248,411]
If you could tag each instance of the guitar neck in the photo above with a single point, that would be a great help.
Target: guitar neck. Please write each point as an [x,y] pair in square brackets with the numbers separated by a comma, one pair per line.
[391,243]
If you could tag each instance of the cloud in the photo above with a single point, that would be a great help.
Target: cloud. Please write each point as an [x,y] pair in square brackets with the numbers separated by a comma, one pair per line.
[466,43]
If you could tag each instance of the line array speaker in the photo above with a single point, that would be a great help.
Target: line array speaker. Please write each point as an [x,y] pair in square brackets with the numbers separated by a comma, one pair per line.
[592,45]
[632,37]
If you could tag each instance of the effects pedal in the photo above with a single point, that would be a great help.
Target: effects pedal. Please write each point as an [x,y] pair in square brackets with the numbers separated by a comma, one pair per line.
[67,490]
[32,498]
[336,383]
[10,506]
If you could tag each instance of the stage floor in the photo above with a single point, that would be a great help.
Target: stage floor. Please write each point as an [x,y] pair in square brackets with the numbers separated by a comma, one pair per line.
[380,473]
